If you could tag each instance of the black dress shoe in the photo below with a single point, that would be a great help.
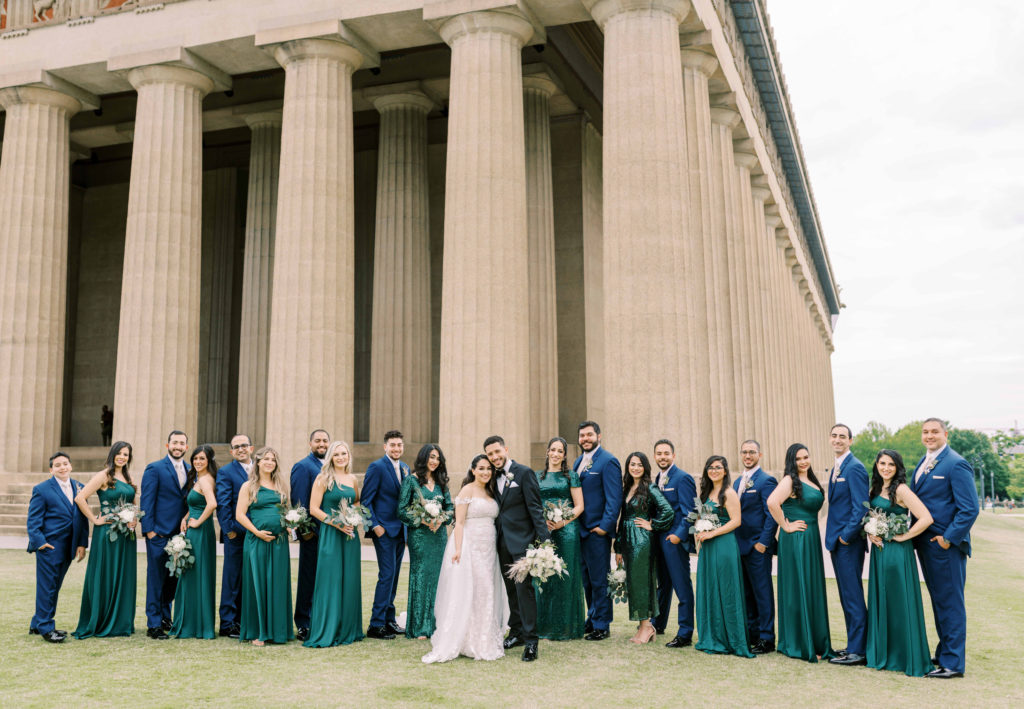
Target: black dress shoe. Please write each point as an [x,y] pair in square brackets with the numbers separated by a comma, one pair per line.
[588,628]
[394,628]
[236,631]
[225,631]
[166,625]
[850,658]
[597,635]
[530,653]
[35,631]
[762,647]
[659,631]
[512,641]
[944,673]
[302,634]
[156,633]
[53,637]
[679,641]
[933,660]
[379,633]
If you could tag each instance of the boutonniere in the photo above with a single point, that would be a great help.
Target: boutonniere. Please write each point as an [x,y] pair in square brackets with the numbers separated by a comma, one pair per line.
[928,468]
[509,476]
[750,484]
[588,466]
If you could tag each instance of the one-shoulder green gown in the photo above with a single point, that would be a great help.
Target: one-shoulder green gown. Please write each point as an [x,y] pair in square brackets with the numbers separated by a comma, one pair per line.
[721,604]
[266,576]
[635,545]
[195,609]
[426,552]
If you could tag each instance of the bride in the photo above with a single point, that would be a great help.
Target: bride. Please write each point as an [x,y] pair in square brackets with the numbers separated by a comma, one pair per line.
[471,608]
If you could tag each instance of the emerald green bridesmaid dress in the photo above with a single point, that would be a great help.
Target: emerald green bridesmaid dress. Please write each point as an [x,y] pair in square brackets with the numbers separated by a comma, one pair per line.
[803,612]
[108,595]
[426,552]
[896,633]
[721,606]
[635,545]
[337,614]
[560,611]
[195,606]
[266,575]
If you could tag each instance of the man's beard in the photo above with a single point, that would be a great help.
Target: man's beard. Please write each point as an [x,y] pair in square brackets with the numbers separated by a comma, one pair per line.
[179,456]
[586,449]
[319,454]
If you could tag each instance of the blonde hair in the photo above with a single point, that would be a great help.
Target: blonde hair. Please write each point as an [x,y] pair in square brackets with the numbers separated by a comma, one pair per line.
[326,475]
[280,481]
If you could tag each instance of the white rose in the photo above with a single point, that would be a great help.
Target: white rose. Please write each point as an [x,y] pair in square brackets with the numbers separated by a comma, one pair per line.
[127,515]
[432,508]
[871,526]
[704,525]
[556,515]
[292,516]
[619,575]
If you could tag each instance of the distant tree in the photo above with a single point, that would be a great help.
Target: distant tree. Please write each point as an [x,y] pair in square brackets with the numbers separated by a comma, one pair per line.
[869,440]
[1015,488]
[980,453]
[907,442]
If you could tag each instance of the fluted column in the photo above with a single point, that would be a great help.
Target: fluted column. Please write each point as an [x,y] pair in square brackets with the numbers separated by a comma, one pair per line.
[485,305]
[758,255]
[540,229]
[648,354]
[746,275]
[400,368]
[19,14]
[34,193]
[775,280]
[310,382]
[257,272]
[157,382]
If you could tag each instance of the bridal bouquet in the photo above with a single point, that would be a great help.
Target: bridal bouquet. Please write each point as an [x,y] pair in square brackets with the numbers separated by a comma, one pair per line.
[541,563]
[424,511]
[703,518]
[179,554]
[556,512]
[297,520]
[121,519]
[879,523]
[350,515]
[617,585]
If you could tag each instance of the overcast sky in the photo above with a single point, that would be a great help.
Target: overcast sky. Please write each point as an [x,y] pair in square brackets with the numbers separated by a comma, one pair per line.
[911,116]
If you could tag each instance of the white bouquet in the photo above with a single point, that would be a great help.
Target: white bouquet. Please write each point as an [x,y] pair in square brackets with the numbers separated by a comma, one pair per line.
[886,525]
[424,511]
[560,511]
[541,563]
[179,554]
[297,520]
[121,519]
[351,515]
[617,589]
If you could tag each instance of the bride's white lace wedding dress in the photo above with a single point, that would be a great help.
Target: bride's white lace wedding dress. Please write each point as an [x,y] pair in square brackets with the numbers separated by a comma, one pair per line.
[470,608]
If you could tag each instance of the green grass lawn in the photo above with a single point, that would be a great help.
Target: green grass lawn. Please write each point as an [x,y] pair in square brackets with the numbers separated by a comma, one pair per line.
[140,672]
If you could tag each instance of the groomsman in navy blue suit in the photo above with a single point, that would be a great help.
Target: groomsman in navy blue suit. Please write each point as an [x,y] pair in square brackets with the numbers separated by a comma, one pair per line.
[944,482]
[162,498]
[673,547]
[230,479]
[303,474]
[847,493]
[756,539]
[601,481]
[381,485]
[57,533]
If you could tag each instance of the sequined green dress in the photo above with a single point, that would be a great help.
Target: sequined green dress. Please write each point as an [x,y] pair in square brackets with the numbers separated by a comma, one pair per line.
[803,612]
[896,632]
[266,575]
[636,546]
[560,611]
[195,603]
[108,594]
[336,617]
[721,606]
[426,552]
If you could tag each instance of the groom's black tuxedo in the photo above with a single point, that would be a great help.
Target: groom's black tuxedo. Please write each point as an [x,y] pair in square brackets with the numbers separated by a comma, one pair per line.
[520,521]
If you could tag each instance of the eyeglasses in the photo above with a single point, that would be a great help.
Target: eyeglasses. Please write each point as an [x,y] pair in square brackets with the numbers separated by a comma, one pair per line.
[716,468]
[749,452]
[241,446]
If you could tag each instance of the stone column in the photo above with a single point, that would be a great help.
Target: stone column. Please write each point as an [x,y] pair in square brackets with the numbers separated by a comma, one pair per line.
[312,315]
[758,252]
[157,382]
[19,14]
[744,283]
[34,198]
[648,353]
[257,272]
[540,229]
[400,368]
[593,270]
[485,303]
[775,276]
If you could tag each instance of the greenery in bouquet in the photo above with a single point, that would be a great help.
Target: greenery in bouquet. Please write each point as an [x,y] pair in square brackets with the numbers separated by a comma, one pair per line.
[424,511]
[351,515]
[297,519]
[617,590]
[560,511]
[179,555]
[121,519]
[541,562]
[885,525]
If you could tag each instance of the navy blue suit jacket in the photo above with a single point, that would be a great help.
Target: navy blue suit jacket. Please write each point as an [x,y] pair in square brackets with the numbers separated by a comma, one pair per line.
[757,526]
[380,495]
[303,475]
[680,491]
[230,479]
[949,494]
[162,499]
[602,492]
[52,519]
[846,498]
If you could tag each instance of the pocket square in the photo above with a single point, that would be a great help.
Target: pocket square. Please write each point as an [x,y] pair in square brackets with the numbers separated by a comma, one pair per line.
[840,480]
[750,492]
[939,477]
[513,484]
[669,489]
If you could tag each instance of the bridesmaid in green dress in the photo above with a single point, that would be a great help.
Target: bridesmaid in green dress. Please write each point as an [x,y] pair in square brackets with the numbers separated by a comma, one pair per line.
[560,613]
[336,617]
[429,481]
[108,595]
[896,633]
[195,608]
[803,613]
[266,567]
[644,510]
[721,607]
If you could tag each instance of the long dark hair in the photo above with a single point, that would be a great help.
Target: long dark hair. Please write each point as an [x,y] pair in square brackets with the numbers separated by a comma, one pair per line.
[565,458]
[900,478]
[421,470]
[707,484]
[794,474]
[492,485]
[643,485]
[211,464]
[110,468]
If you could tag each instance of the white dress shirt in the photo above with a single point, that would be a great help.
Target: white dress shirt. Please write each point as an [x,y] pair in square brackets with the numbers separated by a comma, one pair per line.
[928,460]
[502,474]
[179,468]
[587,458]
[66,486]
[747,474]
[839,464]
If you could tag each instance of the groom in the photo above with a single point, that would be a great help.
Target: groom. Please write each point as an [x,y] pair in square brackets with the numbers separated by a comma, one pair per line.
[520,521]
